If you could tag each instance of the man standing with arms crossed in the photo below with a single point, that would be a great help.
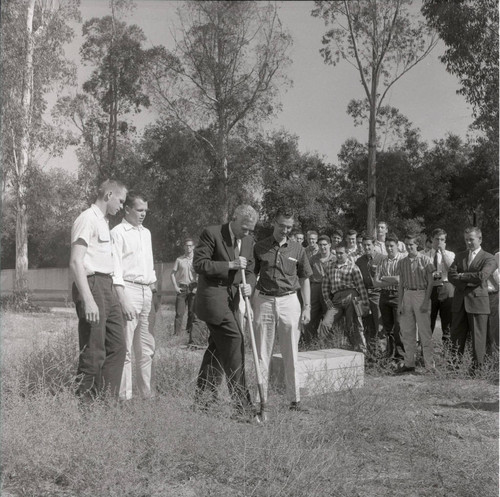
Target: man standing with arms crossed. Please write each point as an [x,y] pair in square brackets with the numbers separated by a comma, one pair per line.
[283,269]
[222,252]
[135,282]
[184,280]
[100,324]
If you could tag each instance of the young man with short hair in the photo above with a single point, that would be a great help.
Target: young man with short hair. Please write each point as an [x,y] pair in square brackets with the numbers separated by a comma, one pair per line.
[312,244]
[100,323]
[351,245]
[282,268]
[184,280]
[134,280]
[382,230]
[415,288]
[342,284]
[337,237]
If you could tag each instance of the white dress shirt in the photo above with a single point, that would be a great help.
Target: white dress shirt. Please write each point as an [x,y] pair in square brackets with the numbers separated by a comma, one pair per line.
[133,254]
[444,261]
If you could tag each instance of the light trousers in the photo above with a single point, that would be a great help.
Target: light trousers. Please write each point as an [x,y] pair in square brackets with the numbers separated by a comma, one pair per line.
[141,340]
[410,319]
[278,315]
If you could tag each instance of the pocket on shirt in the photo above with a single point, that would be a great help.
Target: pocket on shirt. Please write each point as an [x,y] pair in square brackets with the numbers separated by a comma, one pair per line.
[289,266]
[103,239]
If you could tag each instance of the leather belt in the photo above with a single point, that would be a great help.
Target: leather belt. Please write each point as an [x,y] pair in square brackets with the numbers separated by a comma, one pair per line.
[102,275]
[415,289]
[137,282]
[277,294]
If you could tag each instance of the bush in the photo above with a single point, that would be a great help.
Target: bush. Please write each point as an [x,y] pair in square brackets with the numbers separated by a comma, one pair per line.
[19,301]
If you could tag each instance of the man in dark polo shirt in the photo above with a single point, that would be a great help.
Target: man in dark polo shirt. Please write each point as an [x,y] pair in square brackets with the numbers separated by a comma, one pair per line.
[283,268]
[368,264]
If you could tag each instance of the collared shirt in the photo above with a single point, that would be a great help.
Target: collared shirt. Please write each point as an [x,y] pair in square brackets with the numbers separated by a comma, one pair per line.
[389,267]
[133,254]
[92,227]
[234,239]
[413,271]
[472,255]
[184,271]
[319,266]
[443,261]
[280,267]
[368,266]
[344,277]
[380,247]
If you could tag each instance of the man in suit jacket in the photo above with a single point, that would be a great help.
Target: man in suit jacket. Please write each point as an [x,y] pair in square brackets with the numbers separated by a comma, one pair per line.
[222,252]
[471,307]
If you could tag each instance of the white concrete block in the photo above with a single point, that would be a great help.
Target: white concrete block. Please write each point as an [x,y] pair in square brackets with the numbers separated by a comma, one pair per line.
[322,371]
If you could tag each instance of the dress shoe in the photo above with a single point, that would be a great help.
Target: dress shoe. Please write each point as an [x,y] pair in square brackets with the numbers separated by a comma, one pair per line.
[296,406]
[404,370]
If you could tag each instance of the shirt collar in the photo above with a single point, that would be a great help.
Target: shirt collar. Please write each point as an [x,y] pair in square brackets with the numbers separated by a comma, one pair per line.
[475,252]
[97,211]
[127,226]
[233,237]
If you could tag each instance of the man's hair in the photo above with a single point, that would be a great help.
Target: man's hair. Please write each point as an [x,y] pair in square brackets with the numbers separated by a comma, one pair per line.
[187,240]
[383,222]
[411,236]
[473,229]
[428,240]
[132,197]
[297,233]
[368,237]
[312,232]
[245,211]
[284,212]
[351,233]
[391,237]
[325,238]
[341,245]
[107,185]
[438,232]
[338,233]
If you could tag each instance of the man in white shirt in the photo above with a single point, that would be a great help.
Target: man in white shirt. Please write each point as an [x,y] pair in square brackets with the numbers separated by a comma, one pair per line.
[442,290]
[100,325]
[382,230]
[135,282]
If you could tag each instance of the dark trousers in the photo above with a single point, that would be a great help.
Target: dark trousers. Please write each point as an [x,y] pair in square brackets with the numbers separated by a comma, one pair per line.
[225,354]
[184,300]
[102,344]
[443,307]
[318,309]
[493,323]
[464,323]
[372,321]
[388,306]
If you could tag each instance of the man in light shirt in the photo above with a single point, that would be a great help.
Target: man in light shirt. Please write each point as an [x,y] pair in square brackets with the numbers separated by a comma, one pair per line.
[382,230]
[184,280]
[100,324]
[135,282]
[442,290]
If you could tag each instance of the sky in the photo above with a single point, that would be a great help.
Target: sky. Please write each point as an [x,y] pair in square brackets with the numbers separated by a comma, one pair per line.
[314,108]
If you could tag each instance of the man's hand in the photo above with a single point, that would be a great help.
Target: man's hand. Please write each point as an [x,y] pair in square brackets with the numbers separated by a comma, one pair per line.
[91,311]
[238,263]
[177,290]
[306,315]
[246,290]
[424,308]
[128,310]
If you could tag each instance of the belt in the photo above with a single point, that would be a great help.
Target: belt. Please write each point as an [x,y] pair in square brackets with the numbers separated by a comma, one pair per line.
[415,289]
[102,275]
[492,292]
[277,294]
[137,283]
[386,290]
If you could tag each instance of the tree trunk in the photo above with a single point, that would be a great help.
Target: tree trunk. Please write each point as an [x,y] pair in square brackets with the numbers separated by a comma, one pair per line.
[21,278]
[371,217]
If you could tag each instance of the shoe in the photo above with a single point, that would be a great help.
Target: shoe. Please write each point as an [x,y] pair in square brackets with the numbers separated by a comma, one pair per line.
[296,406]
[404,370]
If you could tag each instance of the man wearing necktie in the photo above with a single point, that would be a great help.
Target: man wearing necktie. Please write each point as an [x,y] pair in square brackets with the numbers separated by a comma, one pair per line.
[222,252]
[442,290]
[471,307]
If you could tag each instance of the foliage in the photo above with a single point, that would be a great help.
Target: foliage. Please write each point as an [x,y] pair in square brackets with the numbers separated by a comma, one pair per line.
[19,301]
[469,28]
[223,77]
[382,41]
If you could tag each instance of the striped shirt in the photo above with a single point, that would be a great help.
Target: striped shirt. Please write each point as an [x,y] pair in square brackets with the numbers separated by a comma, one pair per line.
[344,277]
[388,267]
[319,267]
[413,272]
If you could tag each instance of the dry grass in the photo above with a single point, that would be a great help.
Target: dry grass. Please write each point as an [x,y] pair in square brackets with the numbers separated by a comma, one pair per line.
[418,435]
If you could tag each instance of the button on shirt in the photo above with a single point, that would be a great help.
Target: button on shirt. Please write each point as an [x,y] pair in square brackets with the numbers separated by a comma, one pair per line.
[133,254]
[343,277]
[413,272]
[92,227]
[280,267]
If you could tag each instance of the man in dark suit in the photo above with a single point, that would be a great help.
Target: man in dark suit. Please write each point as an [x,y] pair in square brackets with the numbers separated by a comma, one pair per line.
[222,252]
[471,307]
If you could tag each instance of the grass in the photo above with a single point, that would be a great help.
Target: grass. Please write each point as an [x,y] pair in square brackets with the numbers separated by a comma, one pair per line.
[419,435]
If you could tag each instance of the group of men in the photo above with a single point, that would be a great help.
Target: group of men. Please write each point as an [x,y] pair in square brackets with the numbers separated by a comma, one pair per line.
[292,290]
